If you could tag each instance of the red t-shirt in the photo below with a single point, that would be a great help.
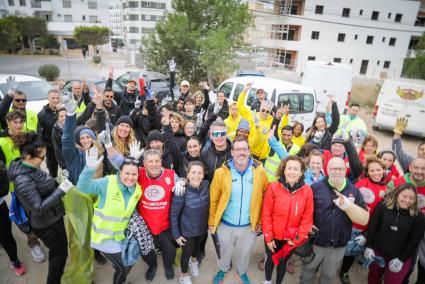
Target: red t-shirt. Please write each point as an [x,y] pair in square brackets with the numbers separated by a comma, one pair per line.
[154,205]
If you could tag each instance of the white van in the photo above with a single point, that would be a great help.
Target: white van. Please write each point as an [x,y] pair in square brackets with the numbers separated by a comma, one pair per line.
[301,100]
[329,79]
[401,99]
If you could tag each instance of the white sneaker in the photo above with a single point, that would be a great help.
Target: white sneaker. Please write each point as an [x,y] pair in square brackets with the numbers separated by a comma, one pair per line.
[185,280]
[194,268]
[37,253]
[267,282]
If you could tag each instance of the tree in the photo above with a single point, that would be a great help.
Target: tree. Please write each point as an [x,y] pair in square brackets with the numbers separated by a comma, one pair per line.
[91,35]
[201,36]
[9,34]
[30,28]
[415,67]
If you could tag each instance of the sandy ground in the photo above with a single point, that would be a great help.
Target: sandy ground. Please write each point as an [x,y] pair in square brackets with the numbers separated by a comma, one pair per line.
[37,272]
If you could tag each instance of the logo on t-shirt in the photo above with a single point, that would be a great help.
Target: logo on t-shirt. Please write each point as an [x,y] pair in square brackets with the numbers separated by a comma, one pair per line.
[368,195]
[154,193]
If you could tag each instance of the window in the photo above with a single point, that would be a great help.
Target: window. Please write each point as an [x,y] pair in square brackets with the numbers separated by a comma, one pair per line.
[35,3]
[369,40]
[153,5]
[67,18]
[392,41]
[133,17]
[377,62]
[133,30]
[238,91]
[66,4]
[389,15]
[134,41]
[361,12]
[346,12]
[92,4]
[93,19]
[315,35]
[133,4]
[341,37]
[319,9]
[11,2]
[148,31]
[387,64]
[298,103]
[22,3]
[83,17]
[351,61]
[226,88]
[337,60]
[355,37]
[383,39]
[398,17]
[363,67]
[375,15]
[311,58]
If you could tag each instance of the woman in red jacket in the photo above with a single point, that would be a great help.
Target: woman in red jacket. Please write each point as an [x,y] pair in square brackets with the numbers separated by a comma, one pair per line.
[287,213]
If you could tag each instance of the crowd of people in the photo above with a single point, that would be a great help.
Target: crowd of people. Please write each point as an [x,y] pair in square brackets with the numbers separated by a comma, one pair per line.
[129,176]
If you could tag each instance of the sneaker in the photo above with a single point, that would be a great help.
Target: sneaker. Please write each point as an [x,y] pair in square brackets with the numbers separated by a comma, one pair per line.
[220,277]
[194,268]
[267,282]
[185,280]
[243,279]
[150,273]
[169,273]
[343,276]
[37,253]
[18,267]
[100,259]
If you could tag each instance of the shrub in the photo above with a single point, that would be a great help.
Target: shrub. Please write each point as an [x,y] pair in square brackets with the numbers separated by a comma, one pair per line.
[97,59]
[49,71]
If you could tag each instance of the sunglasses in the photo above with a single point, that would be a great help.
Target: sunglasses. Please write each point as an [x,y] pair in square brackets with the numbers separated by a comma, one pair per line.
[265,110]
[20,100]
[218,134]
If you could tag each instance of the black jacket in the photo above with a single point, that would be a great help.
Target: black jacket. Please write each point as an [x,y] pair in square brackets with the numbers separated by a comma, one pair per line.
[114,112]
[4,182]
[224,111]
[189,213]
[38,194]
[394,233]
[124,100]
[144,123]
[57,145]
[46,121]
[333,223]
[325,142]
[213,159]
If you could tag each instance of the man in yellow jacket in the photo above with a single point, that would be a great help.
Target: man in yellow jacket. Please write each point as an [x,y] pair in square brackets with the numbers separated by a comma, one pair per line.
[236,196]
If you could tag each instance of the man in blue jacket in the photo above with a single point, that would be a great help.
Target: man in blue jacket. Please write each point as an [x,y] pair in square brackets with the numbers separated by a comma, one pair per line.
[332,196]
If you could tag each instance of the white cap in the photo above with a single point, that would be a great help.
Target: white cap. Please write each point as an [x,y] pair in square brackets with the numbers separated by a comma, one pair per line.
[185,83]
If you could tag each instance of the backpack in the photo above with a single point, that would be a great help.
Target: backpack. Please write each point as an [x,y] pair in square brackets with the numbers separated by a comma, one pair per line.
[18,215]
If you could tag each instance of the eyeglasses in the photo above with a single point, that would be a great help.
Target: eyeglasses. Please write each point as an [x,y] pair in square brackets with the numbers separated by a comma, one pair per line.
[20,100]
[240,149]
[218,133]
[109,97]
[337,169]
[265,110]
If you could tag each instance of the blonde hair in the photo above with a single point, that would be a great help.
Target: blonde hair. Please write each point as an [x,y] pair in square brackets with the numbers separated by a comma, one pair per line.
[179,118]
[199,93]
[390,199]
[119,145]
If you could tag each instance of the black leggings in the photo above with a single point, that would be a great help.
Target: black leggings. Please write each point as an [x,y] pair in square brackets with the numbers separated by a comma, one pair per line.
[6,238]
[168,247]
[269,265]
[192,248]
[121,271]
[54,237]
[347,262]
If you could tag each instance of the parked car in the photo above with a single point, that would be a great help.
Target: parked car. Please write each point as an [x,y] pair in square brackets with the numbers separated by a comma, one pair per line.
[116,86]
[35,88]
[242,73]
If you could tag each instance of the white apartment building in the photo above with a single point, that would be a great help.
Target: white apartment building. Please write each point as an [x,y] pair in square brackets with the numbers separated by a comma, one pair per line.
[116,21]
[140,18]
[62,15]
[373,36]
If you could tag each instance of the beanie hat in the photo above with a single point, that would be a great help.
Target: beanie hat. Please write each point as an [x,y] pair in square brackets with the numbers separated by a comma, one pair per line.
[80,130]
[125,119]
[243,124]
[338,140]
[155,135]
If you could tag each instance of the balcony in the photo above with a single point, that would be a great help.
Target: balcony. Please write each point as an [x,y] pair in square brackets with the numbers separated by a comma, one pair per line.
[289,7]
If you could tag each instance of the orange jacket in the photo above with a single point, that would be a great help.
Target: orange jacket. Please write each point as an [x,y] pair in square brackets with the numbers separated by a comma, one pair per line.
[284,211]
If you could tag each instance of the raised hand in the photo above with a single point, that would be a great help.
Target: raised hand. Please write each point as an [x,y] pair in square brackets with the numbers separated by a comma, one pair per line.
[69,103]
[92,162]
[135,150]
[11,84]
[172,65]
[400,125]
[105,137]
[111,73]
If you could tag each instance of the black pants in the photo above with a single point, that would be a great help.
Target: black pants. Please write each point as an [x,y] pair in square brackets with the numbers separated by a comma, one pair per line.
[192,248]
[121,271]
[168,247]
[51,162]
[347,262]
[269,265]
[421,274]
[6,238]
[54,237]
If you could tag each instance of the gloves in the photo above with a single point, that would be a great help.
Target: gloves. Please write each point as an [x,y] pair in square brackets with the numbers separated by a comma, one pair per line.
[180,187]
[199,118]
[135,151]
[69,103]
[400,125]
[318,136]
[217,107]
[172,65]
[105,137]
[11,83]
[137,103]
[92,162]
[345,202]
[369,254]
[64,174]
[360,240]
[396,265]
[149,94]
[65,186]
